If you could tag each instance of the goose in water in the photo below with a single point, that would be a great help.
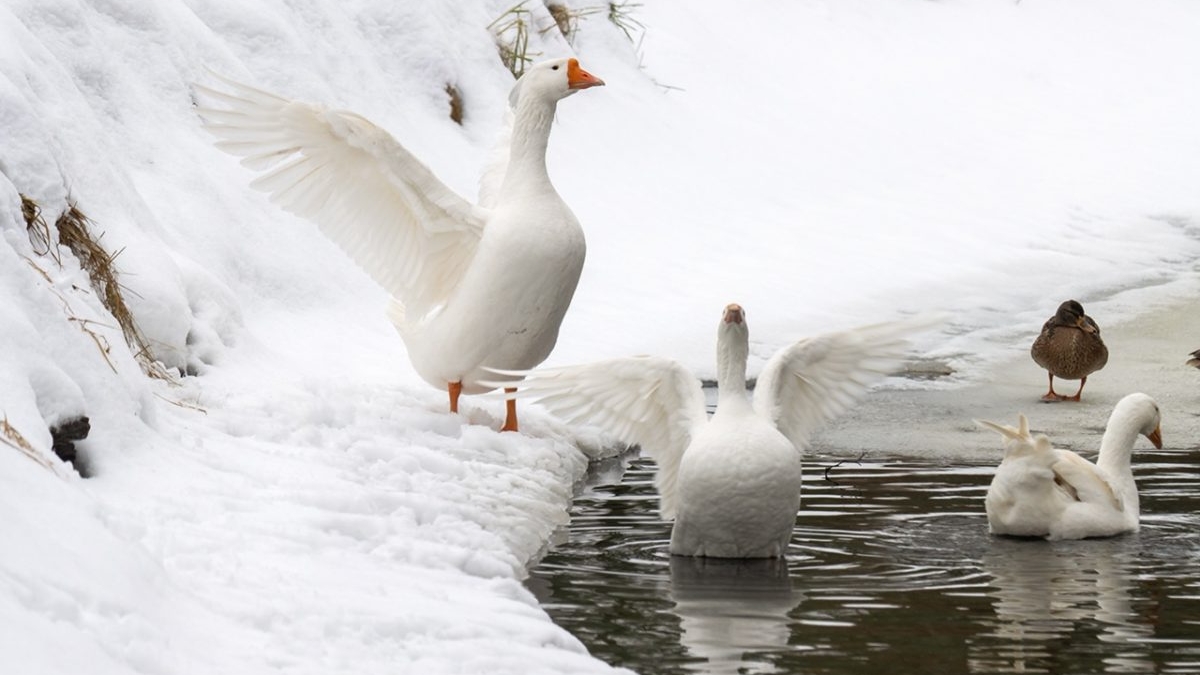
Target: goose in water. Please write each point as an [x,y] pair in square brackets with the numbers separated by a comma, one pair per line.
[1069,347]
[1040,491]
[473,286]
[730,483]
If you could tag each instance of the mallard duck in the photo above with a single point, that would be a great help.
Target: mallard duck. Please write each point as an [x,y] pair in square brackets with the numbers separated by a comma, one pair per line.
[1070,348]
[1040,491]
[730,483]
[1194,361]
[472,285]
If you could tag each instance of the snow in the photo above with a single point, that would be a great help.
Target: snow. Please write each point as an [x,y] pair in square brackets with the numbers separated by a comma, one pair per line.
[301,502]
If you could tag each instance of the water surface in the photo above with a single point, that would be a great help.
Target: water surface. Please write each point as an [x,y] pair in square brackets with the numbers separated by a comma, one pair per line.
[890,570]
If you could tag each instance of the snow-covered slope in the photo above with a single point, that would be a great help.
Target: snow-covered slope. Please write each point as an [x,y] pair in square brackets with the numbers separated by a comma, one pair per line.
[300,502]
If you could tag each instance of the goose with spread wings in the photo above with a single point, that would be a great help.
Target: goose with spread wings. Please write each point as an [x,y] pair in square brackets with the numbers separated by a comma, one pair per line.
[731,483]
[473,285]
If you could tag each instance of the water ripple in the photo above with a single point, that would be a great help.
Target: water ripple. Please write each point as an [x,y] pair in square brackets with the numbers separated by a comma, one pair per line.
[891,569]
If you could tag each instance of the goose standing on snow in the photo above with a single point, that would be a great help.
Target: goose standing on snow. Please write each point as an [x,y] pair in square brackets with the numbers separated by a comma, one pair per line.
[1069,347]
[1039,491]
[732,483]
[472,286]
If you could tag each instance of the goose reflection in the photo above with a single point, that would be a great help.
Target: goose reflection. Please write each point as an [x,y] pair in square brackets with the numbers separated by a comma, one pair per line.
[731,610]
[1045,593]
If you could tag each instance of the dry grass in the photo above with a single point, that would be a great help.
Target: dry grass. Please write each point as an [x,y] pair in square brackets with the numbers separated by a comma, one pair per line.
[13,438]
[75,233]
[39,230]
[621,15]
[511,30]
[565,19]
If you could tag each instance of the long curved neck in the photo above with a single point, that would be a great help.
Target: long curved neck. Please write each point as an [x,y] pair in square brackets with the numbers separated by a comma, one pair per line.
[530,137]
[1116,447]
[1116,450]
[733,349]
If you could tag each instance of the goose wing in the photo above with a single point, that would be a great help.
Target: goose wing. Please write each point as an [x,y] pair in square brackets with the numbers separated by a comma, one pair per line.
[372,197]
[649,401]
[808,383]
[1084,481]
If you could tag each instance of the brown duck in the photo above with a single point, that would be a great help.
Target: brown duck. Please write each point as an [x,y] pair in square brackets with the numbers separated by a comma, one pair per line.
[1069,347]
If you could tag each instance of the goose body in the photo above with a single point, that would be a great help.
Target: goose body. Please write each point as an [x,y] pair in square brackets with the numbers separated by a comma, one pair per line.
[1041,491]
[731,483]
[473,285]
[1069,347]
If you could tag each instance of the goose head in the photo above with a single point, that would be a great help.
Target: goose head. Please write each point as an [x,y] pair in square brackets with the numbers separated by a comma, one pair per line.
[553,80]
[1141,412]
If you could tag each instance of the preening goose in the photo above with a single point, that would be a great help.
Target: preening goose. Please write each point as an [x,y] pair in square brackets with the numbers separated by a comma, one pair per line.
[472,286]
[731,483]
[1040,491]
[1069,347]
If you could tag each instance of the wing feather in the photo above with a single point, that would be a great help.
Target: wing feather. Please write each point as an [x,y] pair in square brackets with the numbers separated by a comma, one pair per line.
[365,191]
[806,384]
[1085,481]
[649,401]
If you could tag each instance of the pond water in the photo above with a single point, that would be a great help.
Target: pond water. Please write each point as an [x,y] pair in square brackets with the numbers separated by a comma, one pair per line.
[890,570]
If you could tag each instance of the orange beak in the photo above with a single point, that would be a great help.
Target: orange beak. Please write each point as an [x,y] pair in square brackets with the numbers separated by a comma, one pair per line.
[1156,437]
[578,78]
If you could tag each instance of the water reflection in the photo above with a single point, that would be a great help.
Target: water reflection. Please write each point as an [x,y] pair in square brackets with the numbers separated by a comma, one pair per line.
[891,570]
[729,610]
[1045,591]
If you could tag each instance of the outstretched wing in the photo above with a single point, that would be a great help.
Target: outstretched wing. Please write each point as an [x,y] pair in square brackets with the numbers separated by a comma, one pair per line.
[368,194]
[650,401]
[805,385]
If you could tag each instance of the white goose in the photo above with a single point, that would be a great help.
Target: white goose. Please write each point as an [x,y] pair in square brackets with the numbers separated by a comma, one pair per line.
[1039,491]
[732,483]
[472,286]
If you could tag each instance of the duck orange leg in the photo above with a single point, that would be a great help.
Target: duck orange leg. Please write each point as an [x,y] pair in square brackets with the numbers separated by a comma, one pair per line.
[455,390]
[1051,395]
[1076,396]
[510,417]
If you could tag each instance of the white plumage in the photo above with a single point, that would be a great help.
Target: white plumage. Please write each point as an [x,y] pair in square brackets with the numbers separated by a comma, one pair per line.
[473,286]
[1040,491]
[732,482]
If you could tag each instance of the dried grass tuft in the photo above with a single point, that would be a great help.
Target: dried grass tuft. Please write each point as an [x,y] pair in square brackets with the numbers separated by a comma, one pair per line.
[75,233]
[511,30]
[38,229]
[621,15]
[565,19]
[13,438]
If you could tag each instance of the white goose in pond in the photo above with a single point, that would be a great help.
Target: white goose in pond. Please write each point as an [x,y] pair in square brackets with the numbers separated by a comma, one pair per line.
[1039,491]
[473,286]
[732,483]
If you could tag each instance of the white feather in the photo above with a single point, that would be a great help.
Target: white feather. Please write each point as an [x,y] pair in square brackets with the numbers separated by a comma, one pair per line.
[1040,491]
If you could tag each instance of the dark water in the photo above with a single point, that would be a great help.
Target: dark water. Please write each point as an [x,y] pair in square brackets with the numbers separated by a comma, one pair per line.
[891,570]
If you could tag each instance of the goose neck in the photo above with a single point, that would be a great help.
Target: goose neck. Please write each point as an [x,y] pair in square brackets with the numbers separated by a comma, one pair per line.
[732,353]
[1116,447]
[530,138]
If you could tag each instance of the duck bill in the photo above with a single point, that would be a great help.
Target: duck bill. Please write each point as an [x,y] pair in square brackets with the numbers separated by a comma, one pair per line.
[1085,325]
[578,78]
[1156,437]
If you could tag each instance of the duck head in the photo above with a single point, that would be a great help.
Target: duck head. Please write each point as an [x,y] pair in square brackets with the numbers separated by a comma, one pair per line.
[1070,313]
